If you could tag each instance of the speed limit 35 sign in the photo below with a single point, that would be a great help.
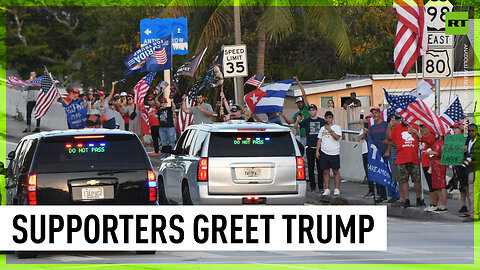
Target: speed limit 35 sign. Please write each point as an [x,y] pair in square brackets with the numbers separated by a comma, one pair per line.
[235,61]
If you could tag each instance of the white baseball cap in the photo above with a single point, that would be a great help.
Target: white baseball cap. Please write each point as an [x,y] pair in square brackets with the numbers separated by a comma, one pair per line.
[299,99]
[123,94]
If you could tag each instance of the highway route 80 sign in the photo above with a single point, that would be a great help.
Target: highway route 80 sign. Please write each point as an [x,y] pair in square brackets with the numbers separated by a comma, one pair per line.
[235,61]
[438,64]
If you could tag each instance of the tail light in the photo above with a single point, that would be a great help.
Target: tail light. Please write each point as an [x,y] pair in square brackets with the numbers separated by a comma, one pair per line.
[32,189]
[203,170]
[152,186]
[300,169]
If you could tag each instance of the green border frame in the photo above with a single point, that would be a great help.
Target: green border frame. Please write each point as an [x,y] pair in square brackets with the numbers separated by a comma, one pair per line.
[4,265]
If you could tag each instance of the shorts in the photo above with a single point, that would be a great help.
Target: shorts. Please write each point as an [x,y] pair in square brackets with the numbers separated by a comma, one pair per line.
[92,124]
[462,177]
[329,161]
[406,170]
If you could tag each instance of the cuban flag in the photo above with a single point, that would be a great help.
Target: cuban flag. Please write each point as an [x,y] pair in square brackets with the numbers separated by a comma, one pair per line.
[269,98]
[379,172]
[453,113]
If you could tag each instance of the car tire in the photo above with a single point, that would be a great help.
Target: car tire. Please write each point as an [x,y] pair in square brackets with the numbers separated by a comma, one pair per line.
[186,195]
[145,252]
[26,254]
[162,198]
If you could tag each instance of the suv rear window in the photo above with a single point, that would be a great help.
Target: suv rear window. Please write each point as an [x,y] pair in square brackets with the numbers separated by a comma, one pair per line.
[250,144]
[111,152]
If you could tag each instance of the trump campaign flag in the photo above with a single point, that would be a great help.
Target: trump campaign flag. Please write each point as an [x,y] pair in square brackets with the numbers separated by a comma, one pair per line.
[269,98]
[379,172]
[154,56]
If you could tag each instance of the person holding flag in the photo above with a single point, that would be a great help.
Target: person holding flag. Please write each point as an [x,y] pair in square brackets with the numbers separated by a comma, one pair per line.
[202,113]
[32,94]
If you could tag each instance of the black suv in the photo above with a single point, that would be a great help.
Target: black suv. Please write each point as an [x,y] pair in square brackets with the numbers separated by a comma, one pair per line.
[91,166]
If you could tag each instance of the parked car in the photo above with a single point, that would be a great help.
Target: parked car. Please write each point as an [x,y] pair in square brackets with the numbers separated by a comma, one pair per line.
[234,163]
[90,166]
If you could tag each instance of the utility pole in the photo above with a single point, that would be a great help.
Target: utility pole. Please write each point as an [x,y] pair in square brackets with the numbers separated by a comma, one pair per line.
[238,83]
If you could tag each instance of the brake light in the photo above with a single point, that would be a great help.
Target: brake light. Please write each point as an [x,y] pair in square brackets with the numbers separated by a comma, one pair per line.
[152,186]
[89,137]
[32,189]
[300,169]
[203,169]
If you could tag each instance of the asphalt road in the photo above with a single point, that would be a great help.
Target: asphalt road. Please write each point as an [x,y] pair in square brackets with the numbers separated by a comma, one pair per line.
[409,242]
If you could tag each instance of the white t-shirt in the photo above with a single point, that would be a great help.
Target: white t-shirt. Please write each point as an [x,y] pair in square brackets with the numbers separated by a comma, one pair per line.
[364,143]
[330,146]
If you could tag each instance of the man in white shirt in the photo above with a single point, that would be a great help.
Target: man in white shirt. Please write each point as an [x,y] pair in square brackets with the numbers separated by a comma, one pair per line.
[328,150]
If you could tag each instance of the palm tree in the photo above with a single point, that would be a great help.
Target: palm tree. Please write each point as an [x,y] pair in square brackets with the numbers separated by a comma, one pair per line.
[277,19]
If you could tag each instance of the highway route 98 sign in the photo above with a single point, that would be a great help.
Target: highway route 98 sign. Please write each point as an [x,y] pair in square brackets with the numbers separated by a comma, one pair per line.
[235,61]
[438,64]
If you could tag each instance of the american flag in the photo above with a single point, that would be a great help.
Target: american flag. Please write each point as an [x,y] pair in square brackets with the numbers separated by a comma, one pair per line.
[47,95]
[453,113]
[15,82]
[160,56]
[160,87]
[185,119]
[256,80]
[413,109]
[411,39]
[139,92]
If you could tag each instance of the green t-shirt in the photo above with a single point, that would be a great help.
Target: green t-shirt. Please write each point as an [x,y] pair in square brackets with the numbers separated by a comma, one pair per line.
[305,114]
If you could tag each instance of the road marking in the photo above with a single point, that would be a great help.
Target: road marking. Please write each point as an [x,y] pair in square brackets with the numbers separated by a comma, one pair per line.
[73,258]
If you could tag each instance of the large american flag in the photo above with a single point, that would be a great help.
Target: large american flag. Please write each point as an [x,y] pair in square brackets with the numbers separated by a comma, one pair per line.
[16,82]
[160,56]
[47,95]
[139,92]
[256,80]
[413,109]
[453,113]
[185,119]
[411,39]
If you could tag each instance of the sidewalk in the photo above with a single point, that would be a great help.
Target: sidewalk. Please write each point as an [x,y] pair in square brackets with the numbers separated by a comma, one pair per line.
[351,192]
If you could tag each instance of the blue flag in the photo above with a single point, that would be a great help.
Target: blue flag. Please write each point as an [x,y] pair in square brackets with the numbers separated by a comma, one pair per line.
[154,56]
[76,114]
[379,172]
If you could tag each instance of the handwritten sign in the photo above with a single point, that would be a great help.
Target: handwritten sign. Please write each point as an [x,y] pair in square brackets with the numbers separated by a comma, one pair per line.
[452,153]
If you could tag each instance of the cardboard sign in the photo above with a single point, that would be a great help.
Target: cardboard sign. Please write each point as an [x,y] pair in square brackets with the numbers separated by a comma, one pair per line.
[452,153]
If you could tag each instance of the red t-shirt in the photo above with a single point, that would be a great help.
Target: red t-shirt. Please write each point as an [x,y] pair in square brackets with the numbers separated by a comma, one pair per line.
[151,118]
[428,141]
[406,143]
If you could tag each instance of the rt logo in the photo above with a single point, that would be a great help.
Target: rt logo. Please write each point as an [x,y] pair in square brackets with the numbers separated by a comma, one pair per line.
[456,23]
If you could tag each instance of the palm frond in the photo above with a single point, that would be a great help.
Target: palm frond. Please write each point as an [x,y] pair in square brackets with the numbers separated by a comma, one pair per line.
[278,22]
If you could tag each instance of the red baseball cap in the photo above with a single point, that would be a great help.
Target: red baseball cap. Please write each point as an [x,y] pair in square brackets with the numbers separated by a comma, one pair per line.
[375,109]
[76,91]
[150,96]
[456,125]
[101,93]
[116,95]
[163,99]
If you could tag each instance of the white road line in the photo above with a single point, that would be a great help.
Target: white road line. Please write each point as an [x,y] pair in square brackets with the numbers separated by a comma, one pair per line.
[75,258]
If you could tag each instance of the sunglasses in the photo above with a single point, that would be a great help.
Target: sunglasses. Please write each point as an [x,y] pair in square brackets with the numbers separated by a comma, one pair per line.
[150,99]
[110,104]
[163,102]
[129,98]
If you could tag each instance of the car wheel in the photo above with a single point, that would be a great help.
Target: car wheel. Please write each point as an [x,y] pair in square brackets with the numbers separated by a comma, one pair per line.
[26,254]
[145,252]
[186,195]
[162,198]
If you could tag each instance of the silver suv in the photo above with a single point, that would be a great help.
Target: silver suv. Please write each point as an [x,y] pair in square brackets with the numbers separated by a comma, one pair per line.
[234,163]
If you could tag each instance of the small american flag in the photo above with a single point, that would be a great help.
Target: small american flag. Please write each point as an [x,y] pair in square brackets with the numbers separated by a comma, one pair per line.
[453,113]
[141,88]
[160,56]
[411,37]
[47,95]
[160,87]
[15,82]
[256,80]
[413,109]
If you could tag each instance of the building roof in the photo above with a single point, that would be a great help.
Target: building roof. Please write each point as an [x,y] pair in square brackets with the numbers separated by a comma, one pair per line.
[322,86]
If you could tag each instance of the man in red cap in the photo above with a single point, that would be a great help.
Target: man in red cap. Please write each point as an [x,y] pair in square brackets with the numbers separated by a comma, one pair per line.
[167,128]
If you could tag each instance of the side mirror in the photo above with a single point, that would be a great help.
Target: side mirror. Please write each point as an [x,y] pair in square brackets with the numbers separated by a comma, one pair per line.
[11,155]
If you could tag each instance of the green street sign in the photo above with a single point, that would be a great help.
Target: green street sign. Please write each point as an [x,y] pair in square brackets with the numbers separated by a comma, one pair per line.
[456,23]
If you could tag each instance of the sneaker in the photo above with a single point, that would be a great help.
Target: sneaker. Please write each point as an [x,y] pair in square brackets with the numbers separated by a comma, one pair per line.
[438,210]
[392,200]
[26,130]
[153,154]
[463,209]
[407,203]
[326,192]
[469,219]
[36,130]
[336,192]
[430,208]
[368,195]
[379,200]
[419,202]
[398,204]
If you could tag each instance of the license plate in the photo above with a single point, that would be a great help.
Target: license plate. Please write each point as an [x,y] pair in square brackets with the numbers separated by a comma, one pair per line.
[92,193]
[253,172]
